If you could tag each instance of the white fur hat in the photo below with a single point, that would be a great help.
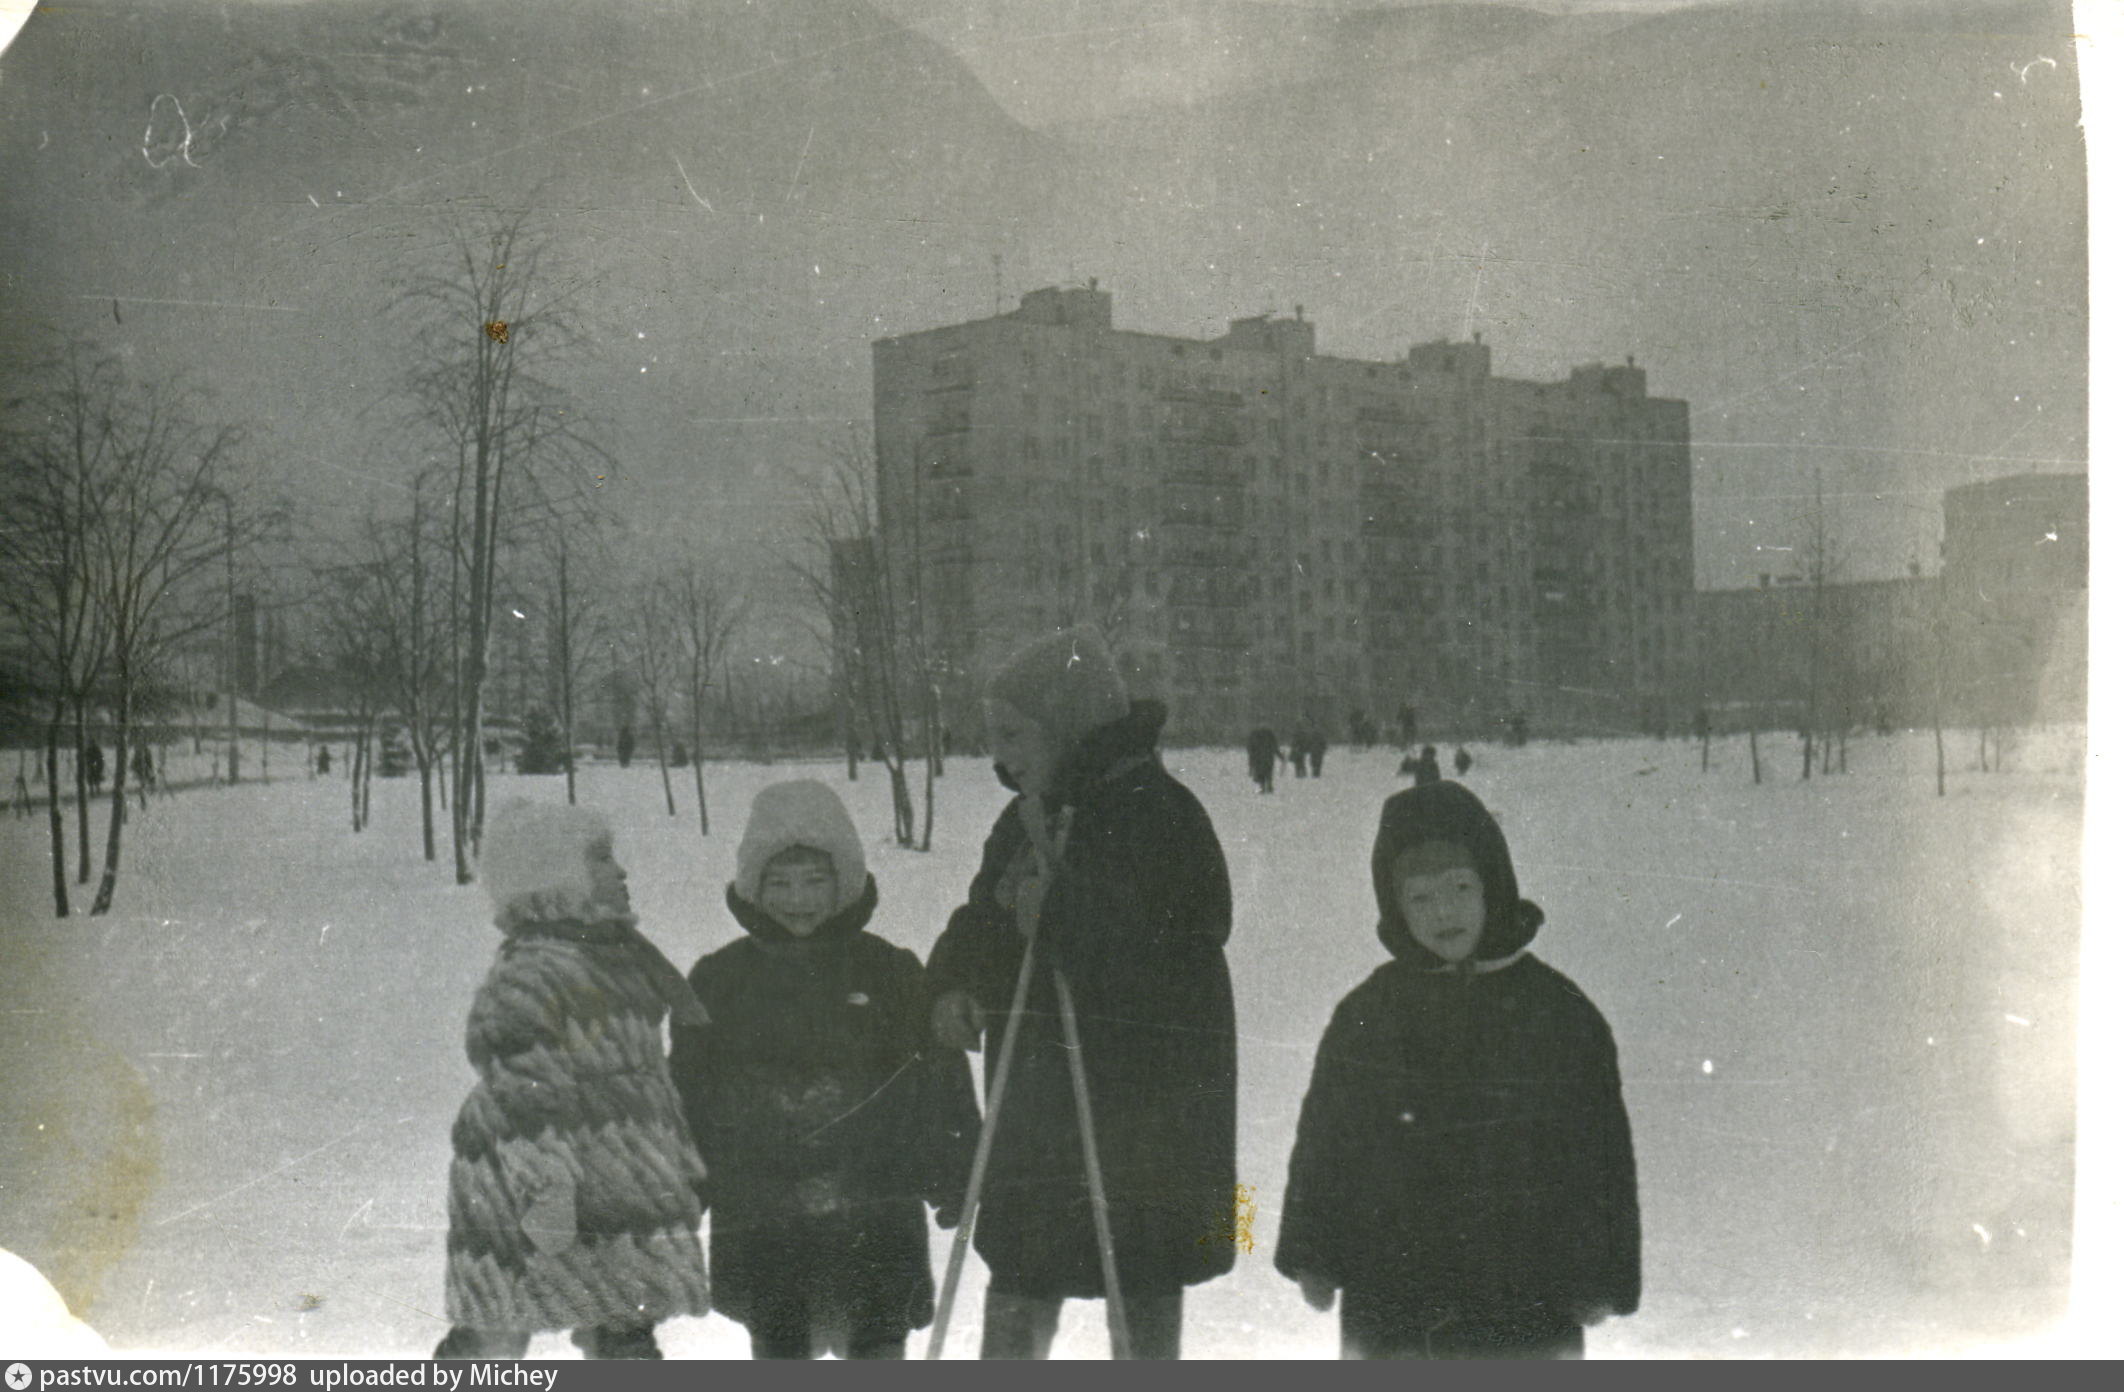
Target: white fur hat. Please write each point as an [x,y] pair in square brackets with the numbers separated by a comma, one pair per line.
[803,812]
[538,848]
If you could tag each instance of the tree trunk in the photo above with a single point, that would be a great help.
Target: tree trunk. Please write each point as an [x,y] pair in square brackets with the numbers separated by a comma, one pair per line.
[54,814]
[700,789]
[354,780]
[81,791]
[663,764]
[929,795]
[107,887]
[1705,765]
[902,801]
[427,801]
[1939,757]
[1755,757]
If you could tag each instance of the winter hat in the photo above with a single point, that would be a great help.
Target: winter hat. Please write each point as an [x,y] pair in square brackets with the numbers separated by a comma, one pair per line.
[1446,811]
[1067,683]
[539,848]
[802,812]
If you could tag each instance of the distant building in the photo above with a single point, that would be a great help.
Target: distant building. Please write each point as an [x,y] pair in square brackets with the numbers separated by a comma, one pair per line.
[2013,578]
[1269,531]
[1999,636]
[1870,662]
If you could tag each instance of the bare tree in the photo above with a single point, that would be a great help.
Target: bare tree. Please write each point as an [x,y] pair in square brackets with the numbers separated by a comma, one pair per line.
[487,325]
[356,619]
[56,445]
[872,600]
[701,614]
[170,513]
[652,655]
[1821,562]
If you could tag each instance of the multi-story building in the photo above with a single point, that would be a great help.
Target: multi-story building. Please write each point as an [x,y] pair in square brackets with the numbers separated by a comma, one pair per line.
[2013,579]
[1270,531]
[1999,636]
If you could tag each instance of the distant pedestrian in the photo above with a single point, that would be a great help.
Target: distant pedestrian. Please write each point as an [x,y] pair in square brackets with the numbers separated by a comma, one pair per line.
[1424,767]
[324,758]
[92,764]
[572,1192]
[1462,761]
[825,1113]
[1262,751]
[1463,1172]
[1307,748]
[22,791]
[143,762]
[1405,722]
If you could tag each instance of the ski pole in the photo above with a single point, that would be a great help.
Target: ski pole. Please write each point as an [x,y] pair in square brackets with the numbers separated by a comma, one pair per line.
[1102,1223]
[1049,854]
[992,1110]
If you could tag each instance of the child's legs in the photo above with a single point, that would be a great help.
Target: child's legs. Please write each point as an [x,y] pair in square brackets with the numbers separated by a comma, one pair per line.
[877,1344]
[781,1324]
[1374,1327]
[1023,1326]
[780,1340]
[618,1341]
[463,1341]
[1520,1334]
[1018,1326]
[1153,1322]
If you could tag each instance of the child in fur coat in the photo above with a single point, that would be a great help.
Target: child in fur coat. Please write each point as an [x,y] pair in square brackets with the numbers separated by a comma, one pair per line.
[571,1190]
[824,1113]
[1463,1171]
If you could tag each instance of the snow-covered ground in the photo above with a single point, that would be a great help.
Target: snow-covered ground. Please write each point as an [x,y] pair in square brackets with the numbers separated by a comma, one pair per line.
[1845,1009]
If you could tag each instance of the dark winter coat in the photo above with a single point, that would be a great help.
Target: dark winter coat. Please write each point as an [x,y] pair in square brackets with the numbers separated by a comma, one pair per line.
[826,1117]
[1261,753]
[1137,917]
[572,1185]
[1463,1148]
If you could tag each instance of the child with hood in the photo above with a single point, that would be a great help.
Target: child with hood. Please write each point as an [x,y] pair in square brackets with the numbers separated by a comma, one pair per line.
[1463,1171]
[572,1183]
[825,1114]
[1112,867]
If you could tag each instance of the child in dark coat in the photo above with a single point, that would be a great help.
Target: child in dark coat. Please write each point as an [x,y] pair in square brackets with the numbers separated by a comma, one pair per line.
[823,1112]
[1463,1172]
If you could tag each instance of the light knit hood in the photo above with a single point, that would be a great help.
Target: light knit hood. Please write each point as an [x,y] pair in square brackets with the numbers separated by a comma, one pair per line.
[802,812]
[533,860]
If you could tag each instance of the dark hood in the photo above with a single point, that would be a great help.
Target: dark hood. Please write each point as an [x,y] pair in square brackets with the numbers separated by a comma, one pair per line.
[1447,811]
[833,931]
[1102,750]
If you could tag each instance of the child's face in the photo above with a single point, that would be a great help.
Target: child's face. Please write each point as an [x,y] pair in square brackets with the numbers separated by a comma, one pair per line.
[1020,746]
[798,889]
[1442,904]
[608,880]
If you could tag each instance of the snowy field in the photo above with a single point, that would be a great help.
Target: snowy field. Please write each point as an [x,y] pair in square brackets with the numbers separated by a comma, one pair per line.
[1845,1010]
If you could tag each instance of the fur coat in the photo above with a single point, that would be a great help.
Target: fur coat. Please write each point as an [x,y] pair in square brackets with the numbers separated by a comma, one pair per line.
[572,1182]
